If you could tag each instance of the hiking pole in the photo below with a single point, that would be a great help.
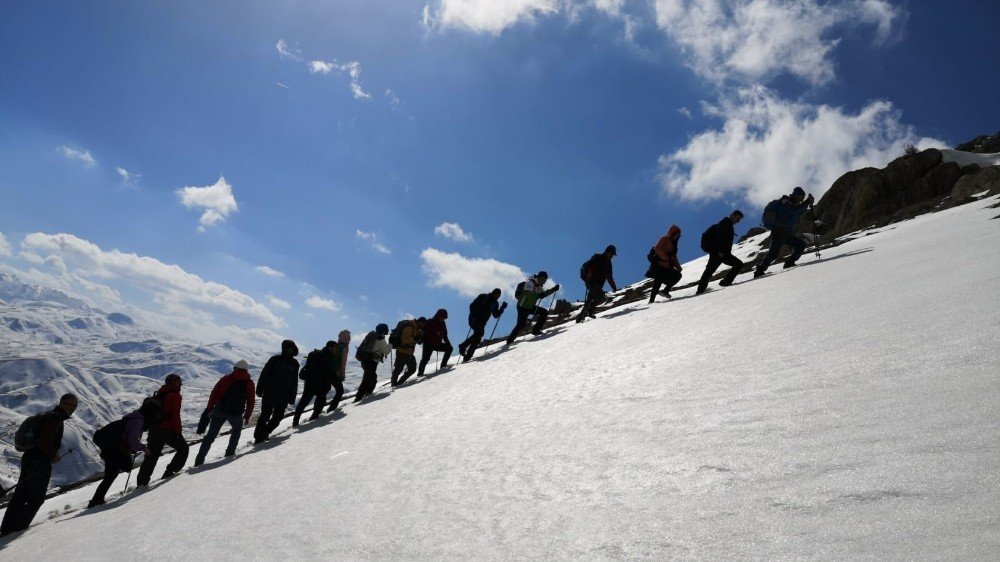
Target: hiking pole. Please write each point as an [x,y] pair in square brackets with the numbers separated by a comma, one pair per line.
[812,209]
[127,478]
[5,491]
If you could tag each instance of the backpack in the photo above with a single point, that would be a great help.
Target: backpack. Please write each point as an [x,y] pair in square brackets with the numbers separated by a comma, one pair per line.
[770,214]
[708,239]
[396,335]
[234,401]
[108,436]
[652,255]
[310,366]
[152,409]
[27,433]
[364,352]
[519,290]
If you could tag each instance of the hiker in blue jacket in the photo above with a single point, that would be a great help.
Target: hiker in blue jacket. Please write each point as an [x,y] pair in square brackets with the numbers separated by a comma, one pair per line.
[780,216]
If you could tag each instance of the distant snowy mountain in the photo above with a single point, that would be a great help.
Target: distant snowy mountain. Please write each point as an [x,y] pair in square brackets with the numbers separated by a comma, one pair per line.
[52,343]
[843,409]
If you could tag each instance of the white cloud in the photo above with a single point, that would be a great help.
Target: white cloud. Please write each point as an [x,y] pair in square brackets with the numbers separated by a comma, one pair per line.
[275,302]
[322,67]
[352,69]
[5,249]
[754,40]
[373,239]
[216,199]
[179,292]
[284,50]
[685,112]
[392,97]
[468,276]
[453,231]
[486,17]
[270,272]
[768,145]
[322,304]
[127,177]
[78,155]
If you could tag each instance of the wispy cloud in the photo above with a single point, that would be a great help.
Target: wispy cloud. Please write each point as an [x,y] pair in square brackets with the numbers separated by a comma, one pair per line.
[685,112]
[468,276]
[767,145]
[322,303]
[82,156]
[217,200]
[392,98]
[280,85]
[176,290]
[128,178]
[270,272]
[284,50]
[372,238]
[755,40]
[275,302]
[452,231]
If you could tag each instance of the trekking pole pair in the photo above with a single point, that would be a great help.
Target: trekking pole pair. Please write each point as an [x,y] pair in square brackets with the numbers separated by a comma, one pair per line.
[495,324]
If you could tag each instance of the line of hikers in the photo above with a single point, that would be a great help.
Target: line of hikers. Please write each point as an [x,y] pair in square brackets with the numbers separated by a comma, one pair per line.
[232,399]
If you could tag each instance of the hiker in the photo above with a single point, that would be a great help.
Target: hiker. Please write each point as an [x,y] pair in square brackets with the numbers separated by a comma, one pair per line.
[664,267]
[44,442]
[410,333]
[594,273]
[372,351]
[480,312]
[717,242]
[435,339]
[276,387]
[167,432]
[231,399]
[323,370]
[120,443]
[780,217]
[531,291]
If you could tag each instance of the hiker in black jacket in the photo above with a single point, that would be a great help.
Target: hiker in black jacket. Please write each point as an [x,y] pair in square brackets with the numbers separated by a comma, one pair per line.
[321,368]
[36,467]
[277,386]
[480,312]
[595,272]
[717,242]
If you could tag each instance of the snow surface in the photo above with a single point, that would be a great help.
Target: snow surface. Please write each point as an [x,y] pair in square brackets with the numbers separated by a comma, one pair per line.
[846,408]
[965,158]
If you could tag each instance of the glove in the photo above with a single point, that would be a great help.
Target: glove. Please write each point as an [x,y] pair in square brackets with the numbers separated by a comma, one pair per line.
[503,306]
[556,287]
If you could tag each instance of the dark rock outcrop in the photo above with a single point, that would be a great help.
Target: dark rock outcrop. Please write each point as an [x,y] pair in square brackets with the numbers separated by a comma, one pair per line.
[983,144]
[986,179]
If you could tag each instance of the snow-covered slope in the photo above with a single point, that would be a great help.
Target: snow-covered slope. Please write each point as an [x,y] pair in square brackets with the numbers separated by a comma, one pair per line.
[846,408]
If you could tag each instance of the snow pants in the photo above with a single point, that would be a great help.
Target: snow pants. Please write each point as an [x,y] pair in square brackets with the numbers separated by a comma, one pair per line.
[29,495]
[403,361]
[782,237]
[522,318]
[214,426]
[158,438]
[271,413]
[313,391]
[368,379]
[115,462]
[429,350]
[714,261]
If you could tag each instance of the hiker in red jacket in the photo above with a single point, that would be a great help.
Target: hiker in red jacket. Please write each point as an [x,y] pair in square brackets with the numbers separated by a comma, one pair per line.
[435,339]
[166,433]
[231,399]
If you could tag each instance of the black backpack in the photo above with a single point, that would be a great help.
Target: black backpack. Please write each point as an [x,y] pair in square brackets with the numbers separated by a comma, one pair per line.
[234,401]
[152,409]
[311,360]
[108,437]
[519,290]
[708,239]
[652,256]
[27,433]
[770,213]
[396,335]
[364,352]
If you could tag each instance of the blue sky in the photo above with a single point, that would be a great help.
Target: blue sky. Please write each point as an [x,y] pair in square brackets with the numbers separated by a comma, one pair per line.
[256,170]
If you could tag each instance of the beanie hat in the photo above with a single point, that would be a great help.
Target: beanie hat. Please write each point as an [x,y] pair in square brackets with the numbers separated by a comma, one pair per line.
[611,249]
[799,191]
[242,365]
[542,274]
[381,329]
[172,377]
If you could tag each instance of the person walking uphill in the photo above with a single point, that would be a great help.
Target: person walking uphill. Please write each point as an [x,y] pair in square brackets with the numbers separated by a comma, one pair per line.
[167,432]
[594,273]
[371,352]
[43,443]
[780,217]
[276,387]
[120,442]
[231,399]
[480,312]
[410,333]
[664,267]
[717,242]
[435,339]
[527,304]
[323,370]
